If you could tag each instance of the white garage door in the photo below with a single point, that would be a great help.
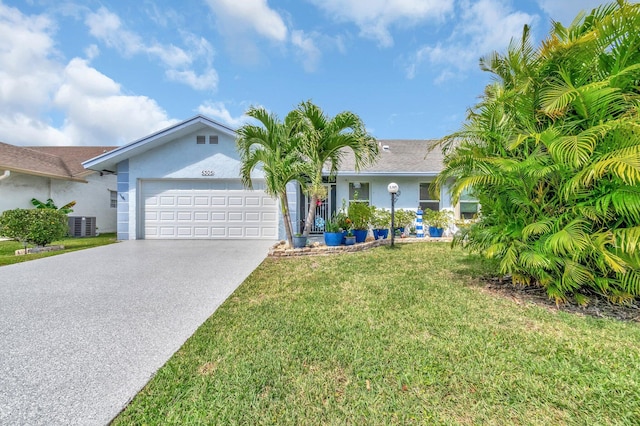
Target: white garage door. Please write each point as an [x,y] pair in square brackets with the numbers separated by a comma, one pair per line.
[175,209]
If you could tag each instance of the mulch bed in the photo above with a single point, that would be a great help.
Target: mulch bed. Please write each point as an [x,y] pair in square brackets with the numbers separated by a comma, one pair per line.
[598,306]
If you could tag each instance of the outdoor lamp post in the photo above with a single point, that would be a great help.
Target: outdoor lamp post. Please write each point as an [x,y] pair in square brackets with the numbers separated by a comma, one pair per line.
[393,190]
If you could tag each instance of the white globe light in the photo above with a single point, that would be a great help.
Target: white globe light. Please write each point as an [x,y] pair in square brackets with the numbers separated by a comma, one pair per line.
[393,188]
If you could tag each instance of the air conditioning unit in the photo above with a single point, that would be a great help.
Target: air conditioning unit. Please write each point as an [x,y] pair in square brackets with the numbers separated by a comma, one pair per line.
[82,226]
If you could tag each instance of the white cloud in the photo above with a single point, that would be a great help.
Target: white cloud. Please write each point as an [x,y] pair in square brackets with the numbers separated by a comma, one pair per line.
[307,50]
[98,113]
[35,82]
[107,27]
[484,26]
[565,11]
[374,17]
[219,112]
[29,72]
[241,16]
[206,81]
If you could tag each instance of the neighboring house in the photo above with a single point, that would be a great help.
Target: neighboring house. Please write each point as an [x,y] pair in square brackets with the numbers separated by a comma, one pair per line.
[409,163]
[55,172]
[183,183]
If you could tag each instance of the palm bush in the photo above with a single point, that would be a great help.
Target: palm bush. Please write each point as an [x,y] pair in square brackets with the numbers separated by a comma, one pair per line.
[552,153]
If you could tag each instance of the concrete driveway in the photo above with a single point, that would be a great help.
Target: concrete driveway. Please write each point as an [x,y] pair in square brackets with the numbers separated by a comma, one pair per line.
[81,333]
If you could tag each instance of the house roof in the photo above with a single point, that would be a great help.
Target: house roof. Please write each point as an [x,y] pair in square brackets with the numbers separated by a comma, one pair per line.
[109,160]
[400,157]
[57,162]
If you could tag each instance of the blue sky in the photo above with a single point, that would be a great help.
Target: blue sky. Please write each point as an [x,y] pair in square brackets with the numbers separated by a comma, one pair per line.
[110,72]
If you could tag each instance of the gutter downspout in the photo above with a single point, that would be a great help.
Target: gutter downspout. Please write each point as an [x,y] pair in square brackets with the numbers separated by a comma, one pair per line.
[6,174]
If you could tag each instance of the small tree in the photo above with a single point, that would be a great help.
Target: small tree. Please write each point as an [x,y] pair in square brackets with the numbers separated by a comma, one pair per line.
[34,226]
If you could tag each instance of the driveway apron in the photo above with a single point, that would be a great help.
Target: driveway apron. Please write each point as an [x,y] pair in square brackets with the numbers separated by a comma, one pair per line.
[81,333]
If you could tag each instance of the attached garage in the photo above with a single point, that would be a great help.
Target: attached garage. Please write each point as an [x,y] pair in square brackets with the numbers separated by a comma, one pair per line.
[184,182]
[206,209]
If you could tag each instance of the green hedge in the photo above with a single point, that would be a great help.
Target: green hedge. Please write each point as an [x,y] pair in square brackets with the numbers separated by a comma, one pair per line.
[34,226]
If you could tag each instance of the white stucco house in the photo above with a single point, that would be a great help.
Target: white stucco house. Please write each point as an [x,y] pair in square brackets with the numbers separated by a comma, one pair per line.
[183,183]
[55,172]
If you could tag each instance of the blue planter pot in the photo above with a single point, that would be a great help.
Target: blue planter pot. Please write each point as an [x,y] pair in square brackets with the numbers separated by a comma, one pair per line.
[376,233]
[333,239]
[299,242]
[349,241]
[361,235]
[383,234]
[435,232]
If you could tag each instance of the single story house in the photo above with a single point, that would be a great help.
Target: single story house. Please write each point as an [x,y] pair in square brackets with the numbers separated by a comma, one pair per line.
[56,172]
[183,183]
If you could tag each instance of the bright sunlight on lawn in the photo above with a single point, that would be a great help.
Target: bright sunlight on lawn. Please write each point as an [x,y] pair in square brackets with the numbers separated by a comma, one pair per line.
[388,336]
[8,248]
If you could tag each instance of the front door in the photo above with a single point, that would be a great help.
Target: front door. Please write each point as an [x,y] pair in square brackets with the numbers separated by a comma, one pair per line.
[325,209]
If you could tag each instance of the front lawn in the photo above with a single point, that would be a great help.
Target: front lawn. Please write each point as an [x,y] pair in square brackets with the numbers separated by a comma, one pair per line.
[388,336]
[8,248]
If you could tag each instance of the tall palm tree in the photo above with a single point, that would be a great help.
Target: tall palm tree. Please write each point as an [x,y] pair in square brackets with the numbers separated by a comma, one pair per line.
[272,146]
[324,143]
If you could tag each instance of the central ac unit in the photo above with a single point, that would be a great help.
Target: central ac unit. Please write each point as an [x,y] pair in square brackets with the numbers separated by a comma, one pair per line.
[82,226]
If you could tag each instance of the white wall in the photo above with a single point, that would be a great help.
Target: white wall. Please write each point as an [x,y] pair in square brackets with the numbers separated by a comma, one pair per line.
[92,198]
[380,197]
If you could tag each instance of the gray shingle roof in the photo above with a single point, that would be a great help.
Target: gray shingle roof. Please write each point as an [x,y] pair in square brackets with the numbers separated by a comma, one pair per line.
[59,162]
[401,156]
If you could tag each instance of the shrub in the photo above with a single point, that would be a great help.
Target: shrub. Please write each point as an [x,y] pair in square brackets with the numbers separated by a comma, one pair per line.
[35,226]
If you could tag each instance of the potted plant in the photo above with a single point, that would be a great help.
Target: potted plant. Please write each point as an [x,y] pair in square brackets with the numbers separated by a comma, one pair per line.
[342,220]
[380,221]
[403,219]
[299,241]
[332,233]
[360,216]
[438,220]
[349,238]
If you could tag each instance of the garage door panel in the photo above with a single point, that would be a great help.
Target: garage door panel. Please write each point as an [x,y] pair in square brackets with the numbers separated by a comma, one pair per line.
[185,201]
[184,216]
[218,231]
[218,217]
[235,201]
[235,217]
[252,201]
[167,216]
[200,201]
[268,217]
[200,231]
[235,232]
[218,201]
[184,231]
[167,231]
[252,216]
[167,200]
[206,209]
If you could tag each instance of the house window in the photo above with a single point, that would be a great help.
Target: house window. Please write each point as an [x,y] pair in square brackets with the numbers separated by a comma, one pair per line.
[213,140]
[201,140]
[359,191]
[426,201]
[114,199]
[469,205]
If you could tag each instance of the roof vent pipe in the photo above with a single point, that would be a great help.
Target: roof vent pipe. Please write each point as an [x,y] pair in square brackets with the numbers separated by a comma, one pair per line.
[6,174]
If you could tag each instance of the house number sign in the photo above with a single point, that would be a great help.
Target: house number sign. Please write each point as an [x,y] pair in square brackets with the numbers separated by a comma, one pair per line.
[208,173]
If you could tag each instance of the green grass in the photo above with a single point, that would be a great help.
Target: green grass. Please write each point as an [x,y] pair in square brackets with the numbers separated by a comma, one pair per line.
[392,336]
[8,248]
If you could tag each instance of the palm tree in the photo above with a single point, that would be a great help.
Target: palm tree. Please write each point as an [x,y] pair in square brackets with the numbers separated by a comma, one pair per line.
[273,146]
[324,143]
[552,152]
